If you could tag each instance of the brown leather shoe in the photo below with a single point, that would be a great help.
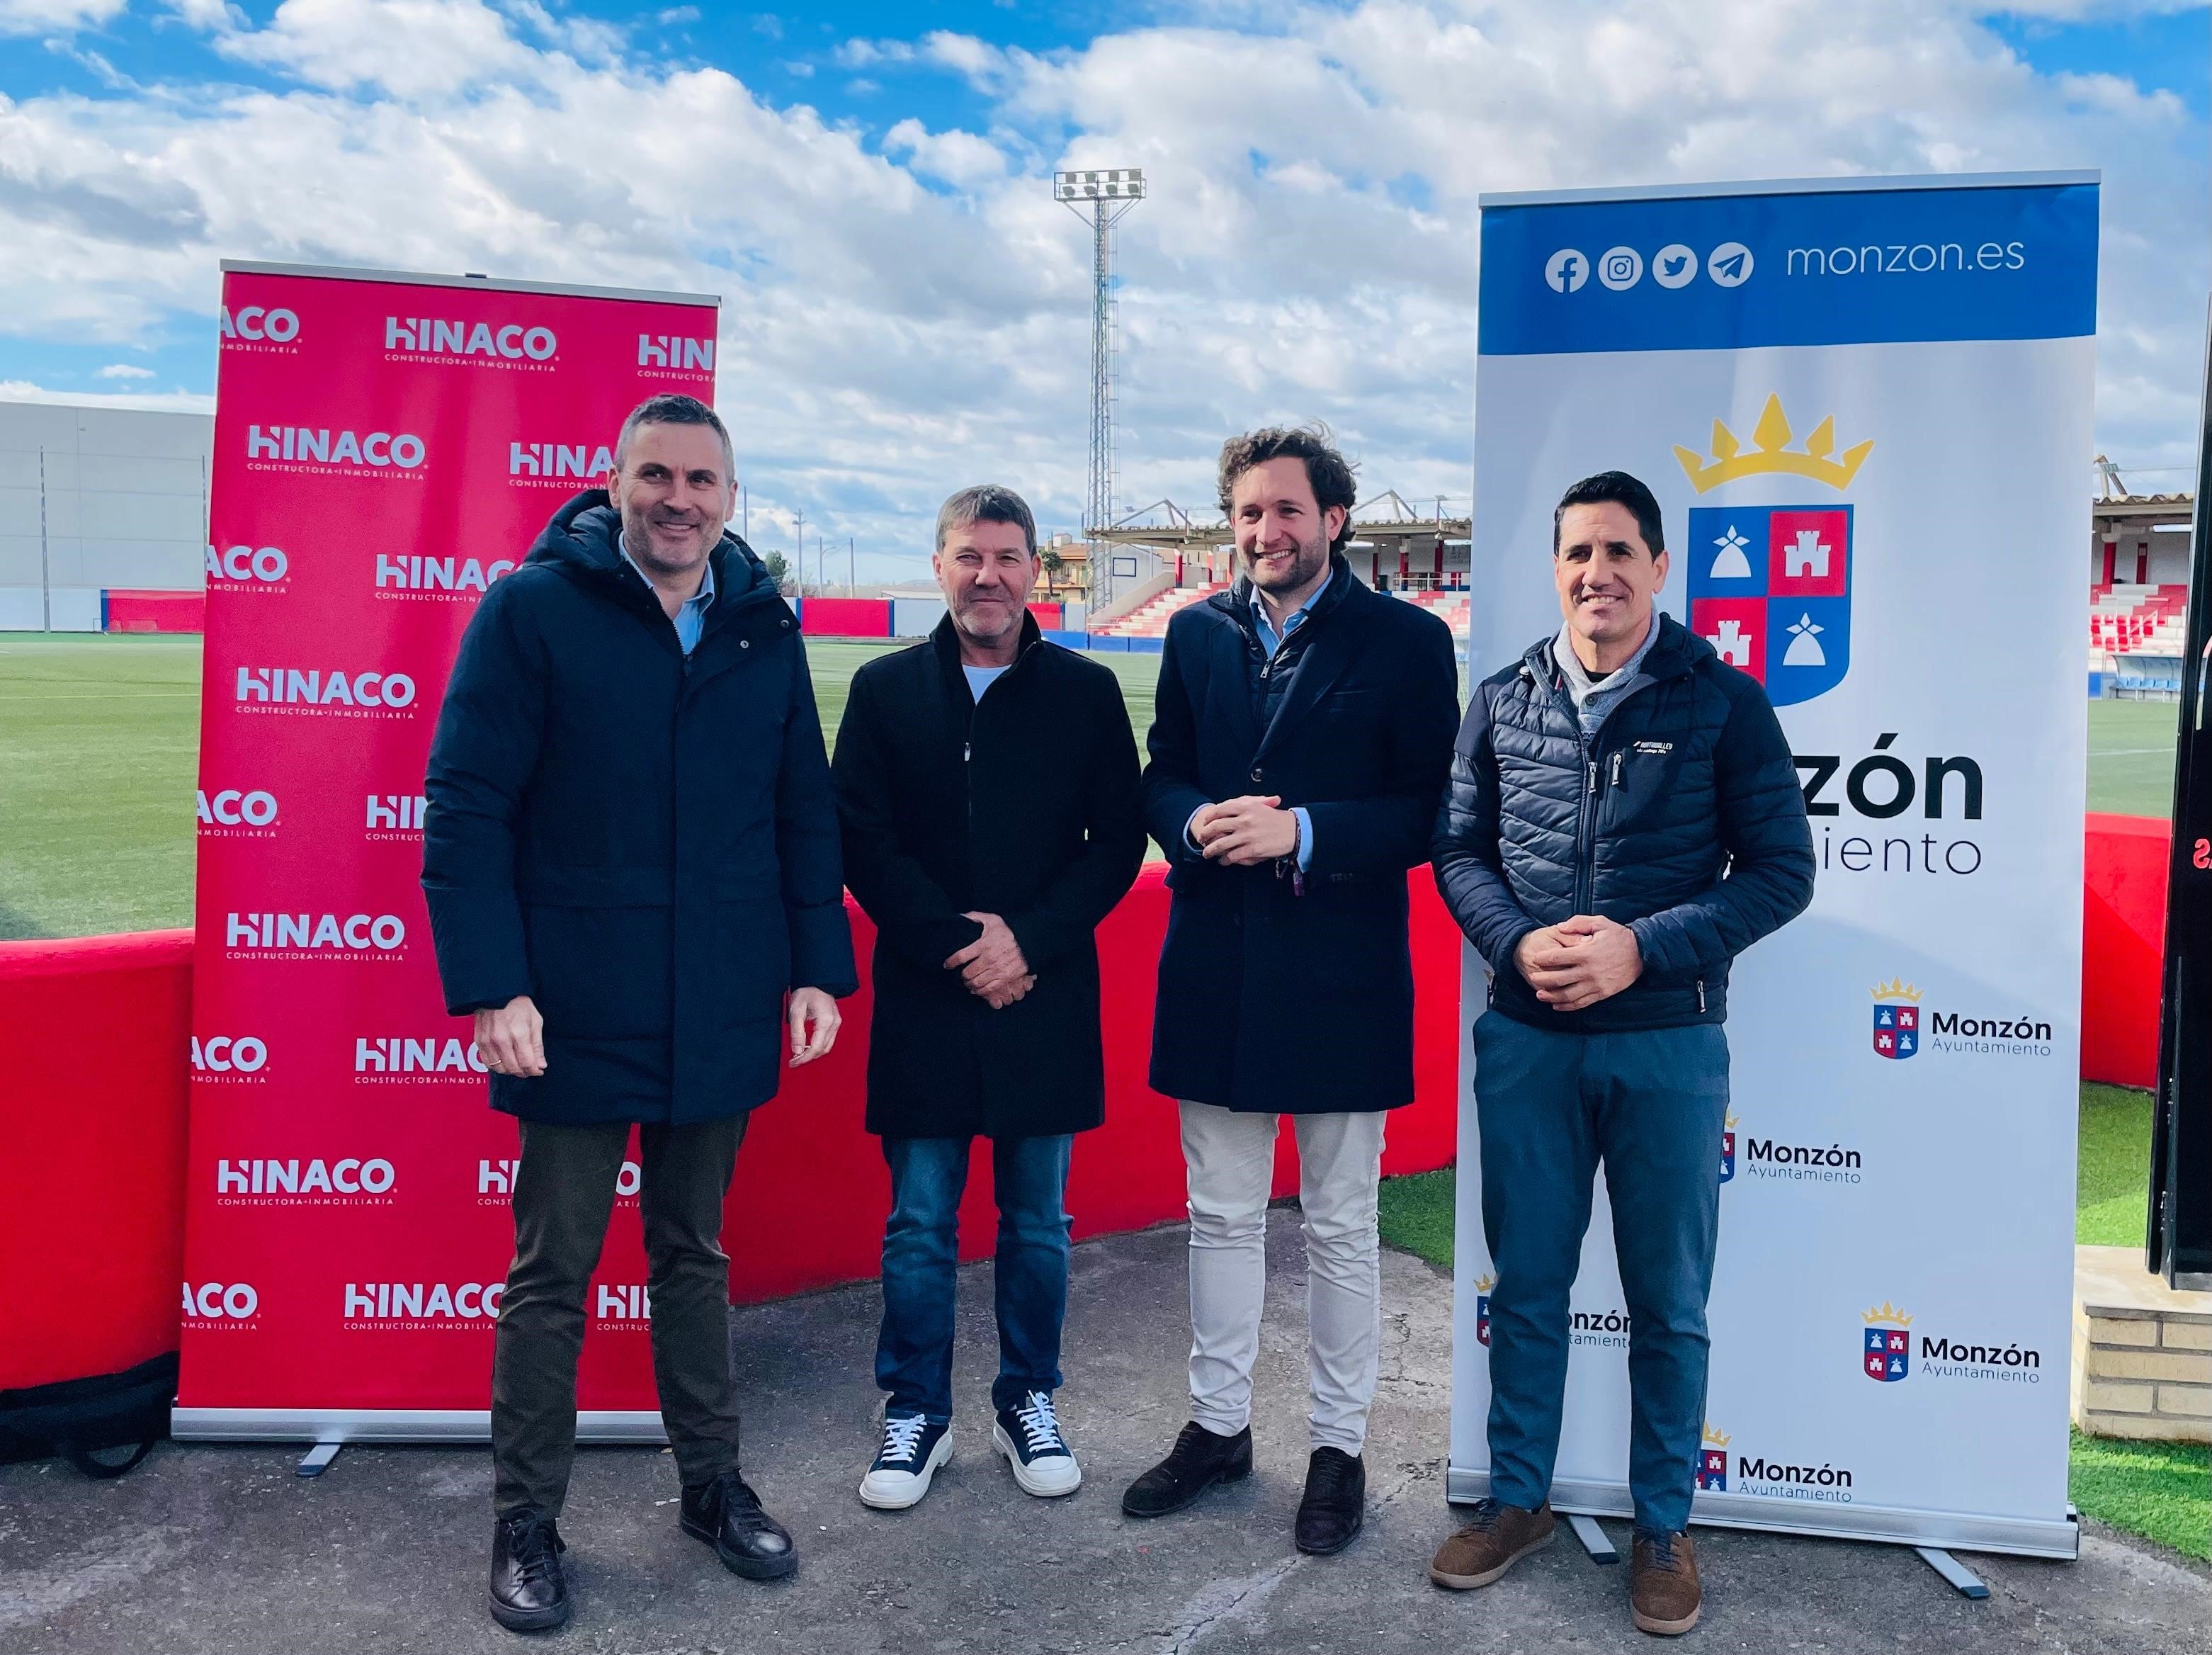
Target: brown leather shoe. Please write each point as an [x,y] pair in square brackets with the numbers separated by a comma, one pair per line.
[1498,1538]
[1663,1585]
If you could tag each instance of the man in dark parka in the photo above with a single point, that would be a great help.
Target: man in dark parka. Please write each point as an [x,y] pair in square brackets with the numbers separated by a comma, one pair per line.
[986,782]
[1302,732]
[631,862]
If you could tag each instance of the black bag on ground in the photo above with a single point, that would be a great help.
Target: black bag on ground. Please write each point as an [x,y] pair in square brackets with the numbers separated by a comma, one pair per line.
[79,1418]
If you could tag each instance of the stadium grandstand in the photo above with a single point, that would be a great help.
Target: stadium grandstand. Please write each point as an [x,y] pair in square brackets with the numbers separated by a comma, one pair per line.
[2138,589]
[1394,548]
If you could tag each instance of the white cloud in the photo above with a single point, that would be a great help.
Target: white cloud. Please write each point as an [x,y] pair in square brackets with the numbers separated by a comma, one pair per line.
[55,16]
[168,402]
[902,318]
[956,157]
[126,371]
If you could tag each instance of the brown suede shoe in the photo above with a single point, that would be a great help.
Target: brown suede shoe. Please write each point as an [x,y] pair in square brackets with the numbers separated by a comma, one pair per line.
[1663,1585]
[1498,1538]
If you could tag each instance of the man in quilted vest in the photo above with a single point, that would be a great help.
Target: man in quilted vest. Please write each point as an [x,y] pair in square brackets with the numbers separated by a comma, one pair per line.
[1623,819]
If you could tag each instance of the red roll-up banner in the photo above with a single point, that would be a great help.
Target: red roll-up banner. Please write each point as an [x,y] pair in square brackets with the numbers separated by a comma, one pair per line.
[386,446]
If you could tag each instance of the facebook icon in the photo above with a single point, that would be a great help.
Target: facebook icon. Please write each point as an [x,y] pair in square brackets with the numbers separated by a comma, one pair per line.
[1567,270]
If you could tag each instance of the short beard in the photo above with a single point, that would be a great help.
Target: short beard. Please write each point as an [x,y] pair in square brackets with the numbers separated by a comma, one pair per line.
[637,540]
[1312,559]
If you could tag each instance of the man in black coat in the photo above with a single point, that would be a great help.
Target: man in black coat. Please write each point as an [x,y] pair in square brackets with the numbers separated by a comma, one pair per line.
[1303,731]
[630,856]
[986,782]
[1624,818]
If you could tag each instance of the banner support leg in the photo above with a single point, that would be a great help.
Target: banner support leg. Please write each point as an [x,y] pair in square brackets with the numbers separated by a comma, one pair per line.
[318,1459]
[1586,1530]
[1968,1582]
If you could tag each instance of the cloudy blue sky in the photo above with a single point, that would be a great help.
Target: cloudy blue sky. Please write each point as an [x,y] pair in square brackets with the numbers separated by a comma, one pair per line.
[905,306]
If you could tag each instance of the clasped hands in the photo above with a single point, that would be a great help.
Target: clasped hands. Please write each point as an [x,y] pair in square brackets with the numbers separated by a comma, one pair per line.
[992,967]
[1245,832]
[1579,961]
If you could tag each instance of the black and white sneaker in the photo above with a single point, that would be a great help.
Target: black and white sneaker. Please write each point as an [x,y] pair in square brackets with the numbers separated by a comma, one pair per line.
[913,1446]
[1028,1434]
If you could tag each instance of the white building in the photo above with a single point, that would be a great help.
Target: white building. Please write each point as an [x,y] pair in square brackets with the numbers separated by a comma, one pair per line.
[95,499]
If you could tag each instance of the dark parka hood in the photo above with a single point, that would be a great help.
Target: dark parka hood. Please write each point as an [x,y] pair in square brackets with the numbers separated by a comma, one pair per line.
[583,541]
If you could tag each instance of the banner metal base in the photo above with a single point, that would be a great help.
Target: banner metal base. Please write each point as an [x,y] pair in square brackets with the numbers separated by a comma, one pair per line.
[416,1425]
[1961,1531]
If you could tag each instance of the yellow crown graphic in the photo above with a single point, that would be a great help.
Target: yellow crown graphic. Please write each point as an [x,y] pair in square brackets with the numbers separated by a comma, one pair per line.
[1484,1283]
[1732,1121]
[1717,1438]
[1897,988]
[1772,437]
[1888,1313]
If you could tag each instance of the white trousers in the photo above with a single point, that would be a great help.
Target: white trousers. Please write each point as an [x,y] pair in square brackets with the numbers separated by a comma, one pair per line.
[1231,1158]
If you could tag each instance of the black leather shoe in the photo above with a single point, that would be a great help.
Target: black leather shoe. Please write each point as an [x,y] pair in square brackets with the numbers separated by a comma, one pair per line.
[1335,1502]
[727,1514]
[1198,1461]
[529,1592]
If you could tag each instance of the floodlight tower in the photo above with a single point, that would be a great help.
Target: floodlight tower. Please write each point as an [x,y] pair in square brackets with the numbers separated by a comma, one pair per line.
[1101,199]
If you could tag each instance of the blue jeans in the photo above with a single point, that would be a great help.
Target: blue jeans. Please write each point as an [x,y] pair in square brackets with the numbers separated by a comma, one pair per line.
[1652,1105]
[921,1251]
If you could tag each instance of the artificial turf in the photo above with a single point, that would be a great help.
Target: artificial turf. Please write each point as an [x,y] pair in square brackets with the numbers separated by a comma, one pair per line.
[2161,1490]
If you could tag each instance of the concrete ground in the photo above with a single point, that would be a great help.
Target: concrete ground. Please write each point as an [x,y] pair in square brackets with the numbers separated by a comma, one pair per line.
[224,1550]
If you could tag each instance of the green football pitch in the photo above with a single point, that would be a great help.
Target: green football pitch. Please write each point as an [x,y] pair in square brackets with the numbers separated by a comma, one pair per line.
[98,740]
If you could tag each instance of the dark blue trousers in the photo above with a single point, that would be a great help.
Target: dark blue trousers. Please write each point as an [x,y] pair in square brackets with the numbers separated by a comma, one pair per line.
[921,1254]
[1651,1106]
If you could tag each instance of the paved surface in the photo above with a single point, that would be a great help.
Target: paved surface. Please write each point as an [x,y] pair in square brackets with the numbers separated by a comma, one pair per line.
[223,1550]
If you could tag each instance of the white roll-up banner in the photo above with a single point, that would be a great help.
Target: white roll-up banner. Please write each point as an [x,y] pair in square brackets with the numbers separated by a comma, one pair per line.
[1865,408]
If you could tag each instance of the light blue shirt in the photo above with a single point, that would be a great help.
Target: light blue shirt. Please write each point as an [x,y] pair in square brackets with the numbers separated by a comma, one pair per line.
[981,678]
[1273,643]
[692,617]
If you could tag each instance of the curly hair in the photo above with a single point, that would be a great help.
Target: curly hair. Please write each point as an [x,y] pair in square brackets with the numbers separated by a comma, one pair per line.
[1327,472]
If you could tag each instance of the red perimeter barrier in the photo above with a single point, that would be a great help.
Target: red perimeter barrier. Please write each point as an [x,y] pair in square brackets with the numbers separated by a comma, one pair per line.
[154,612]
[846,617]
[93,1036]
[2122,947]
[92,1263]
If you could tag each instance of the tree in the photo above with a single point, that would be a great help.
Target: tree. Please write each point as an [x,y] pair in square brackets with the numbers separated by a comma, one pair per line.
[778,567]
[1053,562]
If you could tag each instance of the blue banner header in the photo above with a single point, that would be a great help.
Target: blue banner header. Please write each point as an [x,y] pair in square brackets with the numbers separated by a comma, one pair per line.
[1820,266]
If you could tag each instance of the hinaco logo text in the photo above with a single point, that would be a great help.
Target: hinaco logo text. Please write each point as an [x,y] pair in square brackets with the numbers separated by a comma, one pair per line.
[262,327]
[348,1181]
[401,1057]
[220,1305]
[421,1305]
[563,463]
[247,569]
[676,353]
[236,813]
[495,1181]
[623,1305]
[316,936]
[486,344]
[274,446]
[230,1057]
[441,580]
[360,695]
[395,816]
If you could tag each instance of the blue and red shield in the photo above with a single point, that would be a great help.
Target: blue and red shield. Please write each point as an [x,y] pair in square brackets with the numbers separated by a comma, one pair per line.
[1771,589]
[1896,1028]
[1888,1354]
[1712,1469]
[1482,1318]
[1727,1153]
